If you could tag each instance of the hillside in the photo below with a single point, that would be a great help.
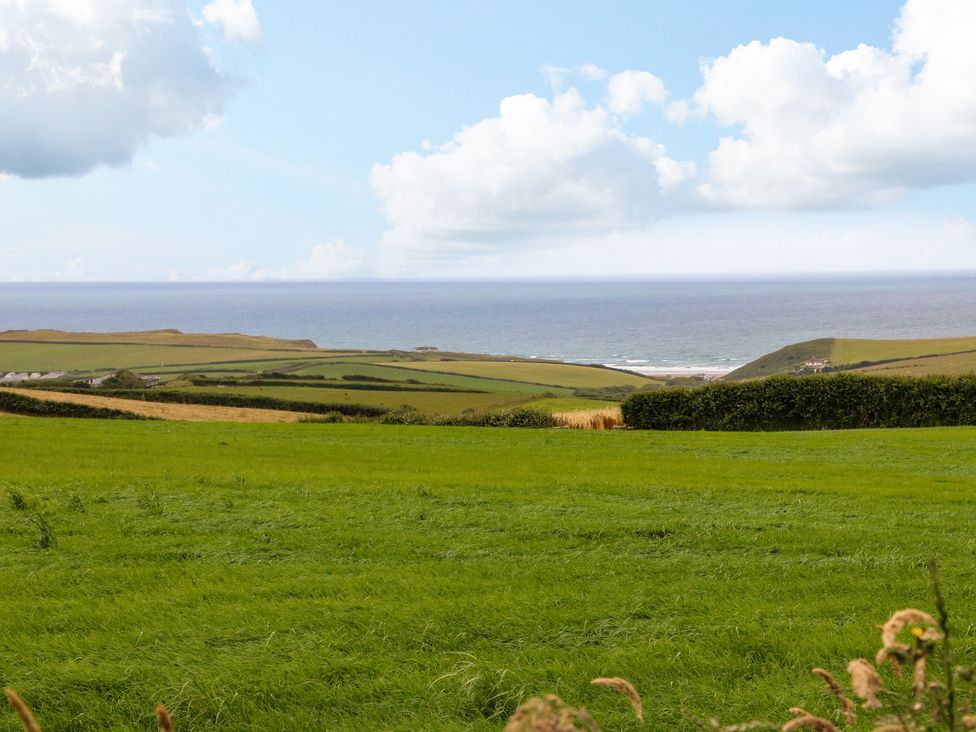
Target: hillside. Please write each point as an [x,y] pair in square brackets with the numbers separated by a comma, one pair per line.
[162,337]
[213,368]
[940,355]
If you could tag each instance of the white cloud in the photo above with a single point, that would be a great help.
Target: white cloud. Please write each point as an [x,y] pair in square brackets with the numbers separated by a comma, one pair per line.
[592,72]
[243,271]
[857,128]
[87,82]
[630,90]
[539,169]
[326,261]
[237,18]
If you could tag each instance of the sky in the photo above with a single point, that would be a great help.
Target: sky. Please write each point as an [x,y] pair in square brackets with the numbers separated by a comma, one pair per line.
[164,140]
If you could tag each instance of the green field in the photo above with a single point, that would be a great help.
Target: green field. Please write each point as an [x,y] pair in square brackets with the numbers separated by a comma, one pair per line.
[366,577]
[851,351]
[428,402]
[90,357]
[560,374]
[335,370]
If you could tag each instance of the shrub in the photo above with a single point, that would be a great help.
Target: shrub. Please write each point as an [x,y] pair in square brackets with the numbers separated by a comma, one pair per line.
[123,380]
[844,401]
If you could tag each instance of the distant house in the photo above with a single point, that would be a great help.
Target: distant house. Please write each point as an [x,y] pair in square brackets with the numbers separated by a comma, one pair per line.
[816,364]
[426,348]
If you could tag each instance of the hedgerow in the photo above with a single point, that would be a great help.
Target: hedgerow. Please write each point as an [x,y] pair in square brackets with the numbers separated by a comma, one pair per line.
[28,406]
[843,401]
[239,400]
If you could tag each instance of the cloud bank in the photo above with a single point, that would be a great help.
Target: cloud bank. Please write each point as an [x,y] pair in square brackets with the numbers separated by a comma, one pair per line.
[803,130]
[87,82]
[326,261]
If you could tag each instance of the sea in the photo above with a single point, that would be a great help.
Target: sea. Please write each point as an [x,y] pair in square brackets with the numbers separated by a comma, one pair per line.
[666,326]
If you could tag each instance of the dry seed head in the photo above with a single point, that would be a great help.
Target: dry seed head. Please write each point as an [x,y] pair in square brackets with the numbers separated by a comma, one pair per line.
[895,624]
[808,721]
[846,705]
[627,689]
[163,719]
[918,678]
[551,714]
[23,711]
[865,681]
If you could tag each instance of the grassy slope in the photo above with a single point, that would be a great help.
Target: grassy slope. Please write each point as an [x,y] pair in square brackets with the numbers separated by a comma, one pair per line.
[784,360]
[558,374]
[325,577]
[167,337]
[955,364]
[854,350]
[90,357]
[843,351]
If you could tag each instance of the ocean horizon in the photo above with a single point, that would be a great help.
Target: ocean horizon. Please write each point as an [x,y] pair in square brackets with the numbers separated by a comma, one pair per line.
[667,324]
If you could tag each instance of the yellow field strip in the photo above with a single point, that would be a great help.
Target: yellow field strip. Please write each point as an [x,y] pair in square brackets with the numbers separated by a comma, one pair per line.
[160,410]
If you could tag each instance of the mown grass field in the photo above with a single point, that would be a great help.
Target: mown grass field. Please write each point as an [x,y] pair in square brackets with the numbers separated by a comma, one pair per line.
[855,350]
[951,365]
[428,402]
[92,357]
[335,370]
[352,577]
[559,374]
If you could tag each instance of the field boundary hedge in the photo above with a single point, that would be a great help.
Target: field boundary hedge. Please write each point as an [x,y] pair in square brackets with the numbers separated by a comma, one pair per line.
[235,400]
[339,385]
[841,401]
[31,407]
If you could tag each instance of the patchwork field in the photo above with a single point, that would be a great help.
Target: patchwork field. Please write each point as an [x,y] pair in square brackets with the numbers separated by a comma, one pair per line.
[392,380]
[351,577]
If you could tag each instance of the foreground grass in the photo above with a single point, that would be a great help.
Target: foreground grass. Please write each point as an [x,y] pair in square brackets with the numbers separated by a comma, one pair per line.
[356,577]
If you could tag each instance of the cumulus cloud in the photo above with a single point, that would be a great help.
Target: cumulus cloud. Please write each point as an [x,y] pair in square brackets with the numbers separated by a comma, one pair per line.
[540,168]
[328,260]
[87,82]
[237,18]
[857,128]
[630,90]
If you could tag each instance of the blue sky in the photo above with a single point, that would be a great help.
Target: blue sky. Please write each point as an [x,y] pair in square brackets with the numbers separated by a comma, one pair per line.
[262,167]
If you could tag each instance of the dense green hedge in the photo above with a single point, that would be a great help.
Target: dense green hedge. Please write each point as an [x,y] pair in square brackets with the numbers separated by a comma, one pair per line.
[173,396]
[19,404]
[517,417]
[843,401]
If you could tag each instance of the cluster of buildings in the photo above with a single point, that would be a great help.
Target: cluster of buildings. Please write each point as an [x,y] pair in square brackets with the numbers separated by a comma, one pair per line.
[816,365]
[15,376]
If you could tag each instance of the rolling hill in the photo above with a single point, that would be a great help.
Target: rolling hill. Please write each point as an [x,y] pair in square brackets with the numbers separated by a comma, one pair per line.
[923,356]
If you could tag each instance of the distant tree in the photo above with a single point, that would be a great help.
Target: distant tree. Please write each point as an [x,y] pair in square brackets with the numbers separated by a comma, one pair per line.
[123,380]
